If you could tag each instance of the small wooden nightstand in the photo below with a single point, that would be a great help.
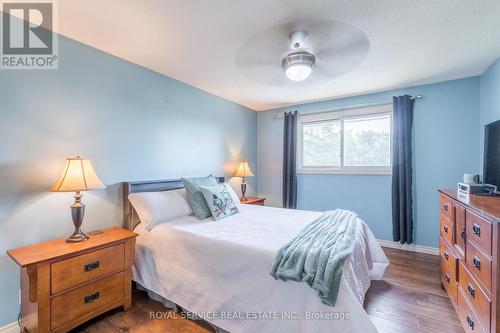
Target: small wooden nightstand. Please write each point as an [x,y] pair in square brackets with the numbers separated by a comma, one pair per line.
[65,284]
[254,201]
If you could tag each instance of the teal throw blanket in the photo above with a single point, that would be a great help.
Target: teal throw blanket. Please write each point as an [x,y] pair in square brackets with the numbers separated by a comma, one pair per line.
[316,255]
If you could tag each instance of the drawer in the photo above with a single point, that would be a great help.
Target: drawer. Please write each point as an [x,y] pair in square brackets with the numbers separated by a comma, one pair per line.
[460,233]
[466,314]
[446,229]
[446,207]
[76,270]
[478,264]
[479,231]
[480,303]
[448,259]
[449,283]
[69,306]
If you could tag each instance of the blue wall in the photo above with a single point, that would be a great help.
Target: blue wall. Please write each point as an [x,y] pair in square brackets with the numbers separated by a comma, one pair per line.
[489,100]
[446,140]
[134,124]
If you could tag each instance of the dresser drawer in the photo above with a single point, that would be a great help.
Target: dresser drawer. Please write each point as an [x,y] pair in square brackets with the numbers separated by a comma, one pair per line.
[446,207]
[69,306]
[446,229]
[448,259]
[479,231]
[76,270]
[460,234]
[478,264]
[448,282]
[481,304]
[466,314]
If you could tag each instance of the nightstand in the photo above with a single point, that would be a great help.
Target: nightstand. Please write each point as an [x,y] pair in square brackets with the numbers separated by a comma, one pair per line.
[65,284]
[254,201]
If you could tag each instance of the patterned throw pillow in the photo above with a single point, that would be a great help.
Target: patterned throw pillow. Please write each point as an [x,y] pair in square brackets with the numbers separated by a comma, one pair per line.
[219,201]
[195,197]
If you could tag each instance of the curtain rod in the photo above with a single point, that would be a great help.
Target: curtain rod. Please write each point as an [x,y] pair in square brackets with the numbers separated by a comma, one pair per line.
[348,107]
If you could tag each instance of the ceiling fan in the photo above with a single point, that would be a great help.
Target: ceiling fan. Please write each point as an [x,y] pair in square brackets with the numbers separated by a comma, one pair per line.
[315,51]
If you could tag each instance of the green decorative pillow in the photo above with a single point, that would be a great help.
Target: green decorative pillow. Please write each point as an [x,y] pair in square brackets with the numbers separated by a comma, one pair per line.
[219,201]
[195,197]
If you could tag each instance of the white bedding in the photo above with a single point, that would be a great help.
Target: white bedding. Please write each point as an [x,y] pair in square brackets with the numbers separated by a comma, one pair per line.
[220,271]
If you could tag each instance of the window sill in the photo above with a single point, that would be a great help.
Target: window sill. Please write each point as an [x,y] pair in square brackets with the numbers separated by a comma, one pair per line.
[346,171]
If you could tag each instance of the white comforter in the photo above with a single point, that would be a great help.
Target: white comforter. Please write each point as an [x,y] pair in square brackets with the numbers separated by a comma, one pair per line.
[220,271]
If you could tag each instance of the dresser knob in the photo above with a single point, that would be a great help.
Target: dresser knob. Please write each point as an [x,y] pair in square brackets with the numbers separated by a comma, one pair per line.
[470,321]
[445,207]
[470,289]
[91,266]
[477,230]
[91,297]
[447,277]
[476,262]
[445,228]
[446,255]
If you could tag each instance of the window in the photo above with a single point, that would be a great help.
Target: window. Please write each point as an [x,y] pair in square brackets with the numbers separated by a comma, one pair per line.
[353,141]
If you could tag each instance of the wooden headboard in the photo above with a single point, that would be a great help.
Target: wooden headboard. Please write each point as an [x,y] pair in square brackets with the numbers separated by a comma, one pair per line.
[130,218]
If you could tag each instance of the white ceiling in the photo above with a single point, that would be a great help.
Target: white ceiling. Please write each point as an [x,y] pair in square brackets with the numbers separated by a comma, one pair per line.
[201,42]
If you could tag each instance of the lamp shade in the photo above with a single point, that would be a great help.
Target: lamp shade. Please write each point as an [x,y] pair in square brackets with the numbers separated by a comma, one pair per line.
[77,175]
[243,170]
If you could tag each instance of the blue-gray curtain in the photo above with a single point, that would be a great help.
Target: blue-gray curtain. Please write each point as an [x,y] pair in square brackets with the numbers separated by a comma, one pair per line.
[290,160]
[402,217]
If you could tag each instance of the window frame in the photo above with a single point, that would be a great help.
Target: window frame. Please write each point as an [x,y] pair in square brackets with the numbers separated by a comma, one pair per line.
[330,115]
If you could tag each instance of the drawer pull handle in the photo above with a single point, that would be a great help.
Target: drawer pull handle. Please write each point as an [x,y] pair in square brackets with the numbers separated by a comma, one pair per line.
[476,262]
[445,228]
[445,206]
[470,321]
[446,255]
[447,277]
[91,297]
[470,289]
[91,266]
[477,230]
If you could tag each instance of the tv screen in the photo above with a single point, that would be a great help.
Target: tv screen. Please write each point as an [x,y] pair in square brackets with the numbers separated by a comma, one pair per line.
[491,171]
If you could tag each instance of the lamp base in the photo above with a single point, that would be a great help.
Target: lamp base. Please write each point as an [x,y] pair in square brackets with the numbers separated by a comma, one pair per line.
[243,189]
[77,236]
[77,212]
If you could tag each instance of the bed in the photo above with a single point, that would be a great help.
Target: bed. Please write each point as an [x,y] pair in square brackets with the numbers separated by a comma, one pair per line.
[220,271]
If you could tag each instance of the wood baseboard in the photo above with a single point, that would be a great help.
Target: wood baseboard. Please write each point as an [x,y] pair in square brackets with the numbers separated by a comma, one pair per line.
[10,328]
[409,247]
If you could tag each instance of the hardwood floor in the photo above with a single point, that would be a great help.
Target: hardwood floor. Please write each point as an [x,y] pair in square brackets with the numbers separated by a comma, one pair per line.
[408,299]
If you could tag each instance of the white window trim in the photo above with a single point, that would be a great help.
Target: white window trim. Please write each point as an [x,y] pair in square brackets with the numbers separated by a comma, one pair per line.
[337,115]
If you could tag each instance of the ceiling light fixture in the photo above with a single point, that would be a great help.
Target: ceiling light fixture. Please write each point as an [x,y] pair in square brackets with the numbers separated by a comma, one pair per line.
[299,63]
[298,66]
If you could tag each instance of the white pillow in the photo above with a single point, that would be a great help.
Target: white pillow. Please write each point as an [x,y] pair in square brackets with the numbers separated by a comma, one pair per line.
[154,208]
[234,196]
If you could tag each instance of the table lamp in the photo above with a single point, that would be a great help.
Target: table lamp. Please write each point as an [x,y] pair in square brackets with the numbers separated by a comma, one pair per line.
[243,171]
[78,175]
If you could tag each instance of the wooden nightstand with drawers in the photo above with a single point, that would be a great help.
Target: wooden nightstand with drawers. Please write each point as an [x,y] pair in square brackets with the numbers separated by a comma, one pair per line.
[65,284]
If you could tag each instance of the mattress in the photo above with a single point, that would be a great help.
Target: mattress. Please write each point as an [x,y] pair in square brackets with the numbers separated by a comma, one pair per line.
[220,272]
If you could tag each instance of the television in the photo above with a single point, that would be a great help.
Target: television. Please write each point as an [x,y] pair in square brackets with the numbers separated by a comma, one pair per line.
[491,167]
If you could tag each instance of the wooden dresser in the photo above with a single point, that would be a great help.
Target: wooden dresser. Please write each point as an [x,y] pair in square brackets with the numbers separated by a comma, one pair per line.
[470,251]
[65,284]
